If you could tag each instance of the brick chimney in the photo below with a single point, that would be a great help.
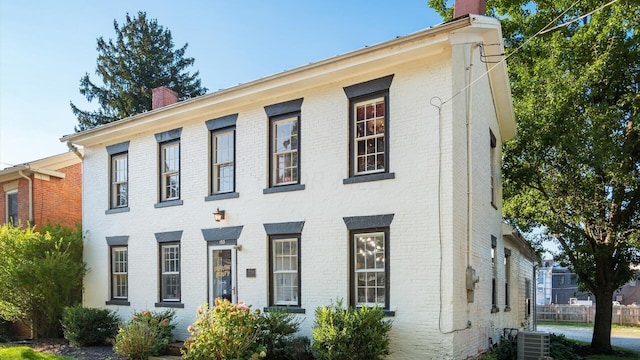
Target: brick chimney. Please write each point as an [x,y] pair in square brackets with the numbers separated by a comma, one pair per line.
[163,96]
[466,7]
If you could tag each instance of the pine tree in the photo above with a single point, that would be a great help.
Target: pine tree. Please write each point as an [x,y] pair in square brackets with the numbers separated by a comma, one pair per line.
[141,58]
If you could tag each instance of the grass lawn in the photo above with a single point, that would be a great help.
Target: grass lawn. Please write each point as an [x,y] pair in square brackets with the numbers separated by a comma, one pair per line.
[25,352]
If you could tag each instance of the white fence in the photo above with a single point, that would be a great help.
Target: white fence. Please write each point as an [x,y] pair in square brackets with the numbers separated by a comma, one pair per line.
[622,315]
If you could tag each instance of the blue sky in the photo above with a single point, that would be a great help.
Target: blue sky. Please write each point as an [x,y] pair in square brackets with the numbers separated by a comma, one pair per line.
[47,46]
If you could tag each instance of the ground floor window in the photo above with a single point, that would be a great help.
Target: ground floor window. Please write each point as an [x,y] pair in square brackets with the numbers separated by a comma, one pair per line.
[285,271]
[119,270]
[170,271]
[370,268]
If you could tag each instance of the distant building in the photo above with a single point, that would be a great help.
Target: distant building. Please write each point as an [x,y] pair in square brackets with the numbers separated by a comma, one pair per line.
[629,294]
[43,191]
[557,285]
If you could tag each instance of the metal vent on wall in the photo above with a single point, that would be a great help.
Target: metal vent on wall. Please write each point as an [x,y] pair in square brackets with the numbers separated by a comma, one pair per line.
[533,345]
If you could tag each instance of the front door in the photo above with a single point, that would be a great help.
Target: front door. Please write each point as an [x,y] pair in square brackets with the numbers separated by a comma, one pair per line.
[222,273]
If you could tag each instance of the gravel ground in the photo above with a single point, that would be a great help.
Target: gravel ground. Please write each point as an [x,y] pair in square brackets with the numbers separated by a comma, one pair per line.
[626,338]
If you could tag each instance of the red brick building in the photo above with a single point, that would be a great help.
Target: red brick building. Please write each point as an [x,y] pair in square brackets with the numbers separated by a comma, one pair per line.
[45,191]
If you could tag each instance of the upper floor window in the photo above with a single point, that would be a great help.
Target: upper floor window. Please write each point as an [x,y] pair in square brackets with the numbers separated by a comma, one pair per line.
[11,204]
[284,146]
[222,157]
[118,177]
[369,130]
[169,167]
[119,180]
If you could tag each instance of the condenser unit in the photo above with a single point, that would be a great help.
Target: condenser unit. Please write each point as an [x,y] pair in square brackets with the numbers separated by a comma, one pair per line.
[533,345]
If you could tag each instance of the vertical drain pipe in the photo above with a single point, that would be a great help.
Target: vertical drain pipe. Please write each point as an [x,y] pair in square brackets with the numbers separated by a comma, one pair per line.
[30,195]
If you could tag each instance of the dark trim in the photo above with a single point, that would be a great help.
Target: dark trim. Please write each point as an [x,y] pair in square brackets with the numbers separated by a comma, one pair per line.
[284,107]
[286,309]
[389,313]
[494,309]
[169,304]
[287,235]
[117,302]
[161,189]
[169,135]
[494,241]
[222,122]
[387,266]
[367,178]
[117,240]
[284,228]
[222,242]
[284,188]
[507,252]
[228,234]
[222,196]
[168,203]
[272,120]
[168,236]
[368,87]
[111,180]
[212,179]
[118,148]
[116,210]
[368,222]
[493,140]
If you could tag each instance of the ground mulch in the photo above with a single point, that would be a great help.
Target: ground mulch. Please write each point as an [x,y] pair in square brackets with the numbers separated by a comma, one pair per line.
[61,347]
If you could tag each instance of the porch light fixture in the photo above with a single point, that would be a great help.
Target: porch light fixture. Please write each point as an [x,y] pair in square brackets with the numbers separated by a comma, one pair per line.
[218,214]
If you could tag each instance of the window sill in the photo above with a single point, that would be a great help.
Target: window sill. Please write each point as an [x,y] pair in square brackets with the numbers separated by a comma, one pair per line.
[283,188]
[507,309]
[120,302]
[389,313]
[116,210]
[167,203]
[214,197]
[494,309]
[170,304]
[366,178]
[286,309]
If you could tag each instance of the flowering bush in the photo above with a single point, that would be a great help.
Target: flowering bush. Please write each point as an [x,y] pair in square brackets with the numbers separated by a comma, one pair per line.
[227,331]
[147,334]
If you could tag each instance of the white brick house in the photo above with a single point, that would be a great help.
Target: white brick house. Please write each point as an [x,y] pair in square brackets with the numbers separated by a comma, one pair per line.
[373,176]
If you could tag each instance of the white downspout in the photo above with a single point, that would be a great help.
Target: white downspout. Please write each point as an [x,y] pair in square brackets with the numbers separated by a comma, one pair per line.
[30,195]
[469,158]
[74,150]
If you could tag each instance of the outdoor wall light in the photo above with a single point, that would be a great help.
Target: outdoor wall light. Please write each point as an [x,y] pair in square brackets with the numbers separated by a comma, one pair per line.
[218,215]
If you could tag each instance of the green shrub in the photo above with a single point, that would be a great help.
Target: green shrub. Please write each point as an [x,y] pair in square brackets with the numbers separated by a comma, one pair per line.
[88,326]
[561,348]
[345,333]
[227,331]
[5,328]
[505,350]
[40,273]
[147,334]
[137,340]
[277,330]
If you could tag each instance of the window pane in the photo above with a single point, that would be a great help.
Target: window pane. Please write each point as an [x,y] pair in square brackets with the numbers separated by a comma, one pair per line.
[285,271]
[285,153]
[119,265]
[369,137]
[370,269]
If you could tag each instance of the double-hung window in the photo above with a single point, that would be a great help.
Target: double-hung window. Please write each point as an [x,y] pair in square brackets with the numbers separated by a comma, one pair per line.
[119,272]
[11,204]
[285,271]
[368,251]
[169,271]
[169,167]
[222,157]
[493,161]
[284,146]
[369,130]
[284,265]
[494,275]
[118,177]
[507,278]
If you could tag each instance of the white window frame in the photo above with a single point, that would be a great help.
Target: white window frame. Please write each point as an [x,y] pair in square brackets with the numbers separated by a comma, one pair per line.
[119,272]
[167,173]
[222,157]
[8,216]
[284,272]
[285,151]
[169,267]
[363,237]
[371,130]
[119,177]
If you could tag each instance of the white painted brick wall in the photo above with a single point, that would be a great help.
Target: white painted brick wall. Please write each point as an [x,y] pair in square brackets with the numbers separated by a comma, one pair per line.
[428,230]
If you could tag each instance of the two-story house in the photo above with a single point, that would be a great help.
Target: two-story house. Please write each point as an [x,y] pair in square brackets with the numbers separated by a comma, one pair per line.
[372,176]
[44,191]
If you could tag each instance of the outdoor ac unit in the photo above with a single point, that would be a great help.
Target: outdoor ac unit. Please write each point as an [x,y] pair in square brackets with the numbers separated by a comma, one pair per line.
[533,345]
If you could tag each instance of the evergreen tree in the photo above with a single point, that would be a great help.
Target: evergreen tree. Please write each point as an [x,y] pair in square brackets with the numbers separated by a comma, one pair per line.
[141,58]
[574,167]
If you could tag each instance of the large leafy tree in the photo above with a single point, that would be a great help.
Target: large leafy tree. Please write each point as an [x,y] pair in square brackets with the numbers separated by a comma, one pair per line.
[141,58]
[573,170]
